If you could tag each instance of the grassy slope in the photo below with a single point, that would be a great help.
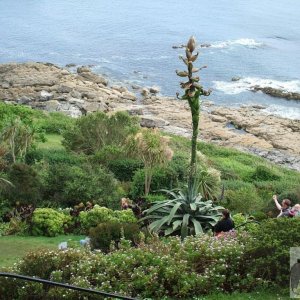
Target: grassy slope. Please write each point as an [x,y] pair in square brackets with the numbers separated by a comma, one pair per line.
[53,142]
[12,248]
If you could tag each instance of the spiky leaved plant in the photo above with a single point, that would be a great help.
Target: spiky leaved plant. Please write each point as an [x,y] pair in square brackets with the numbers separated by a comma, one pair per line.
[192,93]
[185,212]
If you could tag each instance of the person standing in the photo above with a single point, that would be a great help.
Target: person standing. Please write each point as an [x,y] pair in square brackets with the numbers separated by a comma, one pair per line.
[285,207]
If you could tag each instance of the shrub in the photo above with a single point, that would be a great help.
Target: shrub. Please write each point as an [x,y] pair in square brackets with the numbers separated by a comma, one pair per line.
[99,215]
[27,186]
[105,234]
[53,156]
[243,222]
[55,122]
[244,199]
[124,169]
[163,268]
[94,131]
[49,222]
[264,173]
[69,185]
[268,254]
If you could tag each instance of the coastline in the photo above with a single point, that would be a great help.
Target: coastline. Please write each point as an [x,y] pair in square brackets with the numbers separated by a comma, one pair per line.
[49,87]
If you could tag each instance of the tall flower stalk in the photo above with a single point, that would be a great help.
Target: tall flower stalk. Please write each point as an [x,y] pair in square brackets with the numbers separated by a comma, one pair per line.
[192,93]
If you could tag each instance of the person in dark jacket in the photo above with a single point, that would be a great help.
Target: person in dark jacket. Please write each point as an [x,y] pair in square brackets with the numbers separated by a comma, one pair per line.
[225,224]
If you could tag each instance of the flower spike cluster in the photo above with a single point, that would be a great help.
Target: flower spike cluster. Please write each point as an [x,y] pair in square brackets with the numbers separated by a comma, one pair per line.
[192,87]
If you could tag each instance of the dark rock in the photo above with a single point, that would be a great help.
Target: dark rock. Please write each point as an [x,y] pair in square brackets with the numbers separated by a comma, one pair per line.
[277,93]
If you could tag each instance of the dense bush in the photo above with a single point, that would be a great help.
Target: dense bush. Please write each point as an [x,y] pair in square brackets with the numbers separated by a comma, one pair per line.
[27,187]
[109,234]
[55,122]
[49,222]
[245,223]
[124,169]
[69,185]
[264,173]
[244,199]
[167,268]
[99,215]
[269,252]
[53,156]
[25,113]
[94,131]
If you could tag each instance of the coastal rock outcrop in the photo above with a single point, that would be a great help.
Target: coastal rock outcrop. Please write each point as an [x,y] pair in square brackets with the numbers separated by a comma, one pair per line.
[51,88]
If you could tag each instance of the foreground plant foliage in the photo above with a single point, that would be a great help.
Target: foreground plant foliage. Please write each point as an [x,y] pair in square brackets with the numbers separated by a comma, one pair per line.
[165,267]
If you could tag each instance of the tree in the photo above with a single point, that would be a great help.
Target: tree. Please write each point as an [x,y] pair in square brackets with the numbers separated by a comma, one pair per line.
[152,148]
[18,137]
[192,92]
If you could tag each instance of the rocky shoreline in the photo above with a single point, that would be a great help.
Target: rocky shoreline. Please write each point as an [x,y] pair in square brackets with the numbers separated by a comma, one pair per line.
[49,87]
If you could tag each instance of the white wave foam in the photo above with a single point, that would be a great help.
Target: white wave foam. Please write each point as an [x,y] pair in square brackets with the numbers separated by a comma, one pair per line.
[283,111]
[248,84]
[249,43]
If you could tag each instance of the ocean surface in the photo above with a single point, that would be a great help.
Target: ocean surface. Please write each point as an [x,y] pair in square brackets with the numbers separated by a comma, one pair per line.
[131,42]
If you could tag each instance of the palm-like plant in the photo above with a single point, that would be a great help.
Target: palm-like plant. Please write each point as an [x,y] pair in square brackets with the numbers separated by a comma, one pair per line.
[184,213]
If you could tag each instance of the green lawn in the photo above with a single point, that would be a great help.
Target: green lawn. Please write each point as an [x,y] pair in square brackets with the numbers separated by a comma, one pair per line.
[53,141]
[12,248]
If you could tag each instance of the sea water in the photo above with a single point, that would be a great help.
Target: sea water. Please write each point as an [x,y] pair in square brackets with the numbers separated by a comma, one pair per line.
[131,42]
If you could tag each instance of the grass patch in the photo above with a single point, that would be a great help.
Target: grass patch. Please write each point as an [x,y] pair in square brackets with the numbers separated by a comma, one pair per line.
[53,142]
[12,248]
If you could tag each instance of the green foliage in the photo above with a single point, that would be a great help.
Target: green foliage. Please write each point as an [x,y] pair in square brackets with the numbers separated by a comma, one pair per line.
[152,149]
[170,176]
[124,169]
[99,215]
[208,180]
[26,187]
[185,213]
[49,222]
[55,122]
[243,198]
[269,253]
[71,184]
[264,173]
[9,113]
[53,156]
[163,268]
[94,131]
[107,233]
[150,198]
[4,227]
[244,222]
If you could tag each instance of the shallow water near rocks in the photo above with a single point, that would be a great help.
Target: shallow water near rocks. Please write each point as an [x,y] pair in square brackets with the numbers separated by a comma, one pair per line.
[131,43]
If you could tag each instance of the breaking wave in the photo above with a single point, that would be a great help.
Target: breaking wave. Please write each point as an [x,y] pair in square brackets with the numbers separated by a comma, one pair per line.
[249,83]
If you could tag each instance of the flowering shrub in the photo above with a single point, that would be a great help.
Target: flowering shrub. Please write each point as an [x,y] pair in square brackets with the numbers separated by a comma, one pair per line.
[163,268]
[49,222]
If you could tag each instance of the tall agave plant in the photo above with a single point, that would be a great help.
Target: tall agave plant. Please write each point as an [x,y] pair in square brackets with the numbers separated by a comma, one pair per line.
[192,93]
[183,214]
